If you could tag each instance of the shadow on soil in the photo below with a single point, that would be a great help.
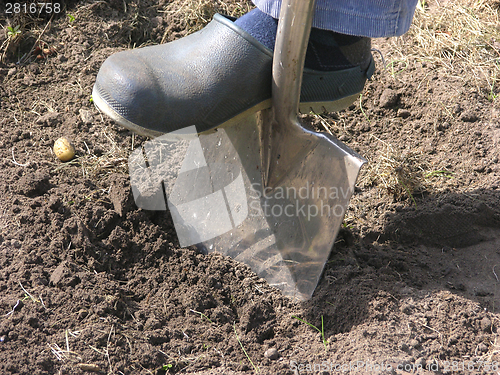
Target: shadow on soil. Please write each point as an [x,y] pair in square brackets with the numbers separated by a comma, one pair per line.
[449,244]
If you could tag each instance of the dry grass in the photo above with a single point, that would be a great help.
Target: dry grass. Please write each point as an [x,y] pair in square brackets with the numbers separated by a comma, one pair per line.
[195,14]
[459,36]
[402,174]
[493,353]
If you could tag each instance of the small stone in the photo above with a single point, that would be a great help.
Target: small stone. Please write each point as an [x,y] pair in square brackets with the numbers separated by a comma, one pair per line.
[420,362]
[457,109]
[88,367]
[443,126]
[482,348]
[272,353]
[404,347]
[404,113]
[86,116]
[486,325]
[11,72]
[414,343]
[389,98]
[16,244]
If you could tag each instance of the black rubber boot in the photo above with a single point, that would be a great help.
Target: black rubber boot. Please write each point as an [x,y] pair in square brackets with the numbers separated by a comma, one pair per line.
[214,76]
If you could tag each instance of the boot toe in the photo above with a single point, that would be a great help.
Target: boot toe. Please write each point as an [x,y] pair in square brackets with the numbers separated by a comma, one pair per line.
[127,88]
[205,79]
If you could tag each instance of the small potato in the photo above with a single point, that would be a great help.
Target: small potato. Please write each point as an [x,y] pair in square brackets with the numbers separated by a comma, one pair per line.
[63,149]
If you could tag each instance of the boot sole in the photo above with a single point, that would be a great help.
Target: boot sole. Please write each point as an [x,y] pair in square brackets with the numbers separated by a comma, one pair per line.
[314,107]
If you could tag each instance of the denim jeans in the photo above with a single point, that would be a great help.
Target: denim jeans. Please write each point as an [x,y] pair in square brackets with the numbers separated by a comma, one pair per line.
[369,18]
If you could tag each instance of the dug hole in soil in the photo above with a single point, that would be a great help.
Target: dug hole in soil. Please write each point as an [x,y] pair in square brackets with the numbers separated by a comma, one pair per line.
[90,283]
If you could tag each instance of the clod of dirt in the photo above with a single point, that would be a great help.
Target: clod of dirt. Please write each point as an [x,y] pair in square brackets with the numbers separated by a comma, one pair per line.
[33,184]
[118,238]
[50,119]
[156,21]
[120,195]
[407,309]
[421,362]
[80,234]
[414,343]
[365,128]
[86,116]
[469,117]
[257,320]
[389,98]
[62,276]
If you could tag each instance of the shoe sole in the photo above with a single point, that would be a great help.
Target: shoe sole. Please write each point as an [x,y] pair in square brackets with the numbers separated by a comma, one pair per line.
[314,107]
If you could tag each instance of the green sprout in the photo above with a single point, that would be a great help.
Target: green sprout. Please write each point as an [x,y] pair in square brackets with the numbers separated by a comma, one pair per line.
[13,31]
[71,18]
[362,110]
[256,368]
[421,4]
[394,64]
[201,314]
[322,330]
[347,226]
[491,95]
[166,367]
[442,173]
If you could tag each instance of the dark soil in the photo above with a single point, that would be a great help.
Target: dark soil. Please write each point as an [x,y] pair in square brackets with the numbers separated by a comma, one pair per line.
[89,282]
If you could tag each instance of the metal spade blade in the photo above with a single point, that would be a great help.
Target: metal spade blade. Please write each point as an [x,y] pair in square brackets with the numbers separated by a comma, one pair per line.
[298,183]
